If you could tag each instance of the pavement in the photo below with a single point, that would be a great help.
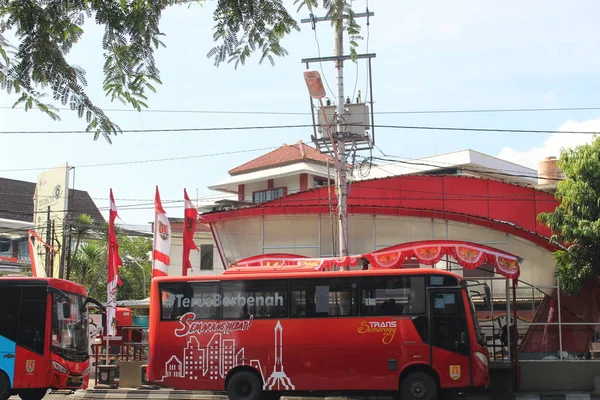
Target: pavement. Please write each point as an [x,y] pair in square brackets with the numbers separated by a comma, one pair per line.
[171,394]
[201,395]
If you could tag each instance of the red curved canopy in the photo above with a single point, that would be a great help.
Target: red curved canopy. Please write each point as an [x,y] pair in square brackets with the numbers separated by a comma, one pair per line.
[428,252]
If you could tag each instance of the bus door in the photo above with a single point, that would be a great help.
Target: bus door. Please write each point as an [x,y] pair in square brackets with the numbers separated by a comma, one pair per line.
[449,337]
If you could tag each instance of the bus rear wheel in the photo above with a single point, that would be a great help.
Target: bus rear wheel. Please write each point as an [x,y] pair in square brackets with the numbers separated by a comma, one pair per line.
[418,386]
[244,385]
[33,394]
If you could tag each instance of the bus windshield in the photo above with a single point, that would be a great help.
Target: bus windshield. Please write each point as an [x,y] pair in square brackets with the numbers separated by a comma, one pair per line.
[69,332]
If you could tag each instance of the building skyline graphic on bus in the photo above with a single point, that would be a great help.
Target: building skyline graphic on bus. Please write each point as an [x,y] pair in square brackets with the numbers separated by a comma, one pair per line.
[220,356]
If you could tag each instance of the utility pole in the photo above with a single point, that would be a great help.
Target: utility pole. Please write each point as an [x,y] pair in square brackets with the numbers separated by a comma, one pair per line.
[351,120]
[48,240]
[342,186]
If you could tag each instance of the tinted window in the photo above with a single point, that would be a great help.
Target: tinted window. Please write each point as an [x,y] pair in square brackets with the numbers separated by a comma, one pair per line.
[393,295]
[200,298]
[448,323]
[259,299]
[334,297]
[10,308]
[32,322]
[206,257]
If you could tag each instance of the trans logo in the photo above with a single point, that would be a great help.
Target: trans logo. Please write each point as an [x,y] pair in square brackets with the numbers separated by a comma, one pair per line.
[220,356]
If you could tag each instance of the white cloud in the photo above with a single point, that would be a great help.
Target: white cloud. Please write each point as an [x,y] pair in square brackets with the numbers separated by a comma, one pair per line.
[553,144]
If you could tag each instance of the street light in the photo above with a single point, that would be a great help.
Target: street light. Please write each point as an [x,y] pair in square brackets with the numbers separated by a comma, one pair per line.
[133,260]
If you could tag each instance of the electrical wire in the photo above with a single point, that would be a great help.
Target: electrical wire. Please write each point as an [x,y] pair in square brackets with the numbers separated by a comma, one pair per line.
[239,128]
[367,52]
[145,161]
[229,128]
[321,64]
[393,112]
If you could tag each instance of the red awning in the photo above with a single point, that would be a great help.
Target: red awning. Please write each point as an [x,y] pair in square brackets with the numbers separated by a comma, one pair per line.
[429,252]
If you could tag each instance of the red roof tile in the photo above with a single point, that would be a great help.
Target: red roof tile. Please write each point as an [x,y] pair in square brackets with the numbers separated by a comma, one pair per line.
[286,154]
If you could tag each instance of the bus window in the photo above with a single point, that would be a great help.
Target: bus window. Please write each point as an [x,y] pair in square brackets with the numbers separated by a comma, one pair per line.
[179,298]
[335,297]
[10,306]
[32,321]
[393,295]
[256,298]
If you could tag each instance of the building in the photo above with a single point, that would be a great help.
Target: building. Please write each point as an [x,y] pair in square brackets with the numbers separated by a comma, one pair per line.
[466,196]
[16,218]
[285,170]
[205,261]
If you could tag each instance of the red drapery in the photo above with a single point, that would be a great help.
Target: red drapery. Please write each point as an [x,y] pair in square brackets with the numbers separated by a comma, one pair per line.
[430,252]
[280,260]
[468,255]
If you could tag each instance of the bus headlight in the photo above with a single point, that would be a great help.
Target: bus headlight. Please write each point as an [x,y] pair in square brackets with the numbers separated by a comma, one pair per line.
[59,367]
[482,358]
[87,371]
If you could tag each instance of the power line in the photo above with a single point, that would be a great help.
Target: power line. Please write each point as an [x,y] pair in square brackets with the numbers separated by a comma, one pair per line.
[227,128]
[397,112]
[461,129]
[239,128]
[146,161]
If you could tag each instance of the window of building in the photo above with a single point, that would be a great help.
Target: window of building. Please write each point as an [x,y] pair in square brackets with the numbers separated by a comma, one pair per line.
[393,295]
[335,297]
[259,299]
[6,247]
[24,251]
[206,257]
[267,195]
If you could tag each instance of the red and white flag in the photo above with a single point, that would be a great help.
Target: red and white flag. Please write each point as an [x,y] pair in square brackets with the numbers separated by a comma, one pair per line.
[114,262]
[189,228]
[162,239]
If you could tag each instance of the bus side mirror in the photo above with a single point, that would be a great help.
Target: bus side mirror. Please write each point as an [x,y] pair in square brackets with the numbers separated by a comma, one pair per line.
[66,310]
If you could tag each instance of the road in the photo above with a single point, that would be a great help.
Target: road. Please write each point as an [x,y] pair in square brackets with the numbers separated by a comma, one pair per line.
[55,396]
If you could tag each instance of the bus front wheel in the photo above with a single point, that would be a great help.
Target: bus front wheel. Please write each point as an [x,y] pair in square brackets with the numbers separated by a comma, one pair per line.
[418,386]
[244,385]
[4,386]
[33,394]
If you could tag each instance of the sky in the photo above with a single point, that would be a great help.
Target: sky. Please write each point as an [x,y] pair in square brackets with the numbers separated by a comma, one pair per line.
[431,55]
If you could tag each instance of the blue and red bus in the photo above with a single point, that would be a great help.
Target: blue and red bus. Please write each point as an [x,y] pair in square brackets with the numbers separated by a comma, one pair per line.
[43,336]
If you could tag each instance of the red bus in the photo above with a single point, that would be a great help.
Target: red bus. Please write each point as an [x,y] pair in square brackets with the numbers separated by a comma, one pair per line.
[264,335]
[43,336]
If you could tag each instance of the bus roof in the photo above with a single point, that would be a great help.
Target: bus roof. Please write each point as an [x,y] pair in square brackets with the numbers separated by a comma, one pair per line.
[265,273]
[62,284]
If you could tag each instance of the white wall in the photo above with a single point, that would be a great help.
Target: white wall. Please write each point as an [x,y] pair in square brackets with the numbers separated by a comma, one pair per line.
[311,236]
[201,238]
[291,182]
